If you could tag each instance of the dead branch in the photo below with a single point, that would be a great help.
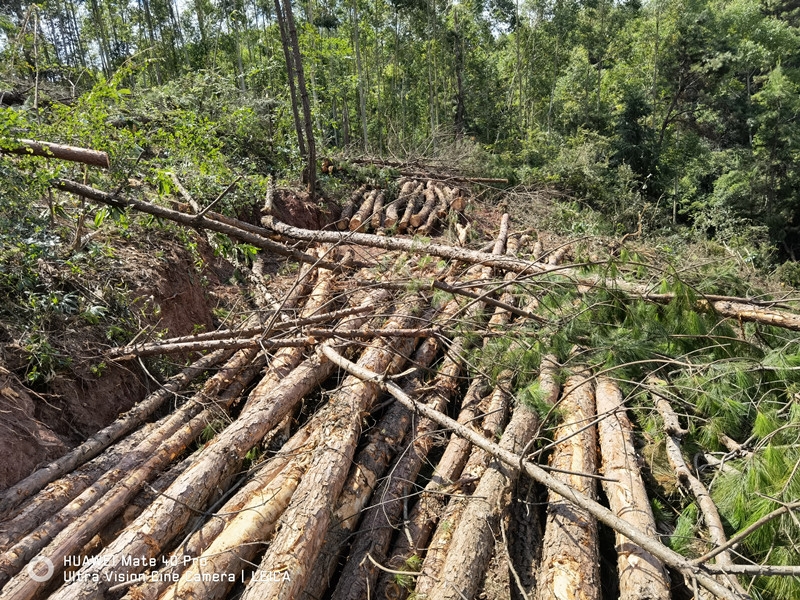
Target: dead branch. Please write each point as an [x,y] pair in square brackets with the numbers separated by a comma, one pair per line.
[423,175]
[716,531]
[85,156]
[742,310]
[207,221]
[224,334]
[311,337]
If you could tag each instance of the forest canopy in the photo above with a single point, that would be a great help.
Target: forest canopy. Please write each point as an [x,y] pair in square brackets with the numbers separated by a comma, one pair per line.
[684,111]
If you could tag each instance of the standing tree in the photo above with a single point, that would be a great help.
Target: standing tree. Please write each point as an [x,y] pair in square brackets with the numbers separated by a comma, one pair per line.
[294,68]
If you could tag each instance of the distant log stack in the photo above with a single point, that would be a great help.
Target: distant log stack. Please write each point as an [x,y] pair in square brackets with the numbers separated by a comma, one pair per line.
[420,207]
[350,208]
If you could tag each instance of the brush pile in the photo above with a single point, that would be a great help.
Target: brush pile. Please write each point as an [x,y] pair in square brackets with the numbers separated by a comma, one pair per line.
[406,421]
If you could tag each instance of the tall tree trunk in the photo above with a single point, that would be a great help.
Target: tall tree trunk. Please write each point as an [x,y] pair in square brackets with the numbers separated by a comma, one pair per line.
[311,159]
[287,56]
[362,100]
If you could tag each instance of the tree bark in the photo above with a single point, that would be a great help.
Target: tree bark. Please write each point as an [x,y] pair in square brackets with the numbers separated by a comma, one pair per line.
[474,539]
[716,530]
[430,203]
[377,212]
[434,568]
[85,156]
[167,517]
[360,221]
[384,442]
[347,212]
[641,575]
[432,502]
[60,492]
[414,200]
[198,541]
[242,538]
[77,523]
[378,523]
[571,559]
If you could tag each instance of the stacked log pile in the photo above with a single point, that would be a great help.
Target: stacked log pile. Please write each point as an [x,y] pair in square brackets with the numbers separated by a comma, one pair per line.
[418,206]
[356,387]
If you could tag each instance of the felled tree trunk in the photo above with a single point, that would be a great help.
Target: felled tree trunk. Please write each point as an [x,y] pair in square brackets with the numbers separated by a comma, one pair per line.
[377,212]
[431,504]
[303,525]
[430,203]
[361,220]
[592,507]
[350,208]
[378,523]
[641,575]
[49,150]
[571,559]
[199,541]
[414,200]
[170,513]
[384,442]
[433,568]
[108,496]
[474,539]
[394,208]
[57,494]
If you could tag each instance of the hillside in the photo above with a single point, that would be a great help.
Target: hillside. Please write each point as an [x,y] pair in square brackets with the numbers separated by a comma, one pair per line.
[665,404]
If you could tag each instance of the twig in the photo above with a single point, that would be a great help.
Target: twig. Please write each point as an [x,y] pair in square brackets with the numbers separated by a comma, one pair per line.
[224,193]
[736,539]
[392,571]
